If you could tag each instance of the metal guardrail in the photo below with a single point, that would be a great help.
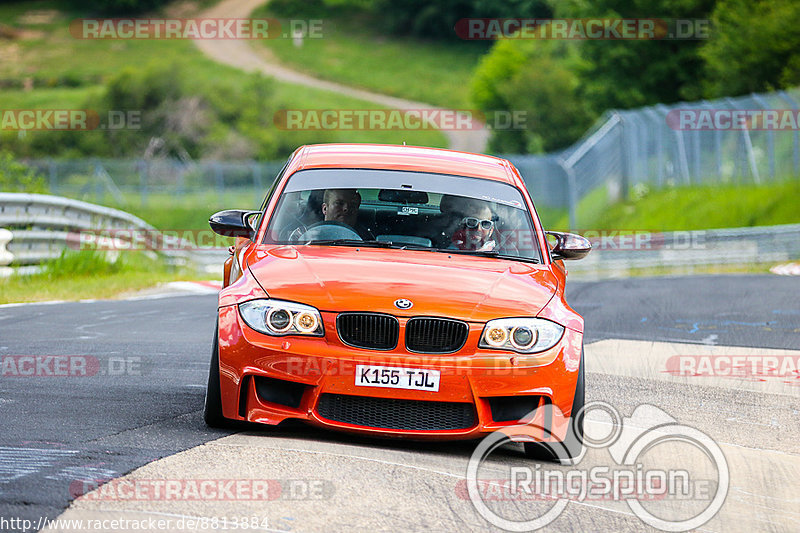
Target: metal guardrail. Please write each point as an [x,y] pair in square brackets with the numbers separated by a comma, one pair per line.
[679,249]
[38,227]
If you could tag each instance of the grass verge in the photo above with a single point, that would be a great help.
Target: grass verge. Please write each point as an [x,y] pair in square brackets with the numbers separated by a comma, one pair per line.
[686,208]
[354,52]
[86,274]
[66,72]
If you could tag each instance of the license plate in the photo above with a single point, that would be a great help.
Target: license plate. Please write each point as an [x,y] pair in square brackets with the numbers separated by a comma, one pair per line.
[397,378]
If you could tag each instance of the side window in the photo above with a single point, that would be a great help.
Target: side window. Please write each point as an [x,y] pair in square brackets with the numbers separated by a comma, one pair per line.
[270,192]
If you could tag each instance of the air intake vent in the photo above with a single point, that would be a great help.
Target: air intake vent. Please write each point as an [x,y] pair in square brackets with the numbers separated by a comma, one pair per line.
[368,330]
[389,413]
[435,335]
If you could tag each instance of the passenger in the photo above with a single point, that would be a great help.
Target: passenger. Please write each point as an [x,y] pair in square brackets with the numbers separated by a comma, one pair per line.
[476,229]
[453,209]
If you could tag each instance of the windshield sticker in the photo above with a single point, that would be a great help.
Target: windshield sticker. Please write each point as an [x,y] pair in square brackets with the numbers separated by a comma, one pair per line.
[512,203]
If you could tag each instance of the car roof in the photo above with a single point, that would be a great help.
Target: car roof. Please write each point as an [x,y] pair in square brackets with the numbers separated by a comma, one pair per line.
[401,157]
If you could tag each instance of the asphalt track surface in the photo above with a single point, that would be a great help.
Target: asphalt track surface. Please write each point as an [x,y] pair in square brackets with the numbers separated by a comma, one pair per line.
[151,357]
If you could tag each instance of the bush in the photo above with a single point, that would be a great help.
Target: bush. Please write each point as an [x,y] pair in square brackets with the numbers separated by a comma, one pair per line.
[17,177]
[115,7]
[755,46]
[539,78]
[221,119]
[436,20]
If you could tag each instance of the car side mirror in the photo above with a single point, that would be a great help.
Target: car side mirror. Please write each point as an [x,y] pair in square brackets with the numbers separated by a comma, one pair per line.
[233,223]
[569,246]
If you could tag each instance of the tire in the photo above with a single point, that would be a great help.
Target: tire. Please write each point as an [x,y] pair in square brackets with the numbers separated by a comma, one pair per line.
[212,408]
[572,445]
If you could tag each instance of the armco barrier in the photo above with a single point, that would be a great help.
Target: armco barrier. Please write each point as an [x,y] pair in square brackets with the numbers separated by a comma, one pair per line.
[679,249]
[36,228]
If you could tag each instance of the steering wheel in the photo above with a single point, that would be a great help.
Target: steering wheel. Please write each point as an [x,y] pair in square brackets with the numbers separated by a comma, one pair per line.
[327,229]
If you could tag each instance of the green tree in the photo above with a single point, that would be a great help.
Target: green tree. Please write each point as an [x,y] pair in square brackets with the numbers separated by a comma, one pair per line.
[17,177]
[541,79]
[625,73]
[115,7]
[755,46]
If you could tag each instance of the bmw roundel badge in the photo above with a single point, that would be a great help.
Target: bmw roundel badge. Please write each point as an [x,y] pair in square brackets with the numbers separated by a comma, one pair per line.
[402,303]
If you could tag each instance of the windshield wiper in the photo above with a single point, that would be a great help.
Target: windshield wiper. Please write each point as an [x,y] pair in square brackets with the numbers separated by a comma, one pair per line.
[352,242]
[411,246]
[483,253]
[488,253]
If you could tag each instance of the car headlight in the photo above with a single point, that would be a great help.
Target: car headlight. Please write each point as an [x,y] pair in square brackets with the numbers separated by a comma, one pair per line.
[523,335]
[276,317]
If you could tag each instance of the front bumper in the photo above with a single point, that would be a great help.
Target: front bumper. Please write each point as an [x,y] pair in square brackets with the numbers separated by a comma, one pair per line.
[267,380]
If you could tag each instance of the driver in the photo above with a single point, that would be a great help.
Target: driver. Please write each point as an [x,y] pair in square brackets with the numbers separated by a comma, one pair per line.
[341,205]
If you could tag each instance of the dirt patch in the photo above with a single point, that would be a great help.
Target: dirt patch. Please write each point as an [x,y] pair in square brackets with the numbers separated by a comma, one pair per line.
[41,16]
[9,54]
[7,32]
[181,9]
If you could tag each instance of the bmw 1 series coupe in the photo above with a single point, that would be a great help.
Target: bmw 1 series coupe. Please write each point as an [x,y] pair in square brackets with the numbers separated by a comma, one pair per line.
[397,291]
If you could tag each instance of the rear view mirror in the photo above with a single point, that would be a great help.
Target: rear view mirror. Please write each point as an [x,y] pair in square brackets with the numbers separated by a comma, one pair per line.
[403,196]
[569,246]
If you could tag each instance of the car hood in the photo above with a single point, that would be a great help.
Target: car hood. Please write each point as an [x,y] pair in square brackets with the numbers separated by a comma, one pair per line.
[333,278]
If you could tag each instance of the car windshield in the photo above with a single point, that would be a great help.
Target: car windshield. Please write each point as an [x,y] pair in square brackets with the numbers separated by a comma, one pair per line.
[405,210]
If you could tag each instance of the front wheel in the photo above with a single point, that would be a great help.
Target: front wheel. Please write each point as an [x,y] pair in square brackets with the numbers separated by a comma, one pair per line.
[572,445]
[212,408]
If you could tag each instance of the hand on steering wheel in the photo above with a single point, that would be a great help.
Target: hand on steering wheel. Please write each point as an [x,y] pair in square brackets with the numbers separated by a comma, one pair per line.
[302,234]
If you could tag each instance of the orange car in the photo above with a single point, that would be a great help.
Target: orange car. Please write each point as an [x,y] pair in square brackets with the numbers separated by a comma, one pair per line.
[397,291]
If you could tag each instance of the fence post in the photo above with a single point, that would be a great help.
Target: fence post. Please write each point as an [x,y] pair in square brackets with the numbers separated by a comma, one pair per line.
[144,171]
[796,148]
[652,115]
[572,193]
[684,164]
[625,157]
[98,187]
[770,137]
[748,147]
[717,146]
[51,172]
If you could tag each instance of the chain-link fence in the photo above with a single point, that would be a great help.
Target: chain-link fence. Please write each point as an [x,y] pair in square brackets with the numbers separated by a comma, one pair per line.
[128,181]
[681,144]
[751,139]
